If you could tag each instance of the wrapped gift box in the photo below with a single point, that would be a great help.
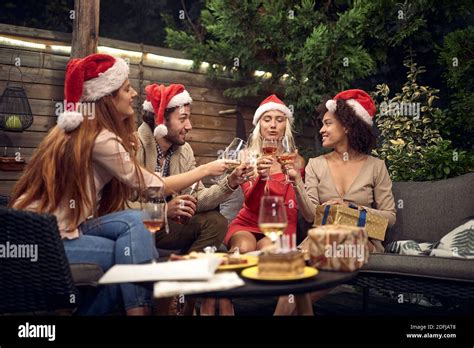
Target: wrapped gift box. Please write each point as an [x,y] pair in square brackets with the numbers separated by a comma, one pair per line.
[338,247]
[374,224]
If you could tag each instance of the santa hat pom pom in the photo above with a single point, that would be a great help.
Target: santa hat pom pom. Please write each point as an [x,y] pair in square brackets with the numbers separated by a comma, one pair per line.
[331,105]
[160,131]
[147,106]
[70,120]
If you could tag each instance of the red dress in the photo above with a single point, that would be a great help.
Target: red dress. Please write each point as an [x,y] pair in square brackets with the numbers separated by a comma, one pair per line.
[247,218]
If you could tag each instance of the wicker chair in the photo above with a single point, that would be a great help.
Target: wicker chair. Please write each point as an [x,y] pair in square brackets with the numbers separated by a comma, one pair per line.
[430,210]
[37,280]
[4,200]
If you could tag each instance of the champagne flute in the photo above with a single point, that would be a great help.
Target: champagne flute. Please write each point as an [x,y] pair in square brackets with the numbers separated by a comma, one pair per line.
[272,219]
[269,149]
[154,210]
[286,154]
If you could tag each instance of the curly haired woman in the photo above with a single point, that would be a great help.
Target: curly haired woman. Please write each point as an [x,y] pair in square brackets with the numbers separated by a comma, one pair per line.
[348,174]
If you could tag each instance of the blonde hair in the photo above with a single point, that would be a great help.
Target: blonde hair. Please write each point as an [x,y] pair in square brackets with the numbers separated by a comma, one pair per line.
[255,138]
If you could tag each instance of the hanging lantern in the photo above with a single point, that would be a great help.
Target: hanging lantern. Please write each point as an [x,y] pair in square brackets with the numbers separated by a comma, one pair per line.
[15,110]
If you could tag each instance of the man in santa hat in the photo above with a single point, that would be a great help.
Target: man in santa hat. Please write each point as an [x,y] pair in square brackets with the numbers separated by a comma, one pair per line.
[193,221]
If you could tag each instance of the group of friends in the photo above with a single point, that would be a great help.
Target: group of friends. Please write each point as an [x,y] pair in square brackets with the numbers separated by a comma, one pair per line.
[89,172]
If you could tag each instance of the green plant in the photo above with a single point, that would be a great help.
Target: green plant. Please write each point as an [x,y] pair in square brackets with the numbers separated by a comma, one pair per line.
[457,56]
[309,49]
[411,145]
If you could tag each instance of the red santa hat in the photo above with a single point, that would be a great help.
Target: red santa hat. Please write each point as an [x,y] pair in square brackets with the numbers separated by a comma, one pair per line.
[159,98]
[272,103]
[89,79]
[360,101]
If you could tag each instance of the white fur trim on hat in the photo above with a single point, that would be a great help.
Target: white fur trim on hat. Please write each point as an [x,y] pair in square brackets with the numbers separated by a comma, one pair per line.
[160,131]
[180,99]
[106,82]
[69,120]
[272,106]
[331,105]
[147,106]
[360,111]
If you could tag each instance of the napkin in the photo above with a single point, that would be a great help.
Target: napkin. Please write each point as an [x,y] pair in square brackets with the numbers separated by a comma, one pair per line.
[219,281]
[195,269]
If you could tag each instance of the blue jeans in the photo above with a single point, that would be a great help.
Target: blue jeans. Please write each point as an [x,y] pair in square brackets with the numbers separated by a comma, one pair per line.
[117,238]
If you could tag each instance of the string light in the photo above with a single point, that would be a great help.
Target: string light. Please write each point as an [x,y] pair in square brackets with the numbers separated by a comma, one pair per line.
[159,60]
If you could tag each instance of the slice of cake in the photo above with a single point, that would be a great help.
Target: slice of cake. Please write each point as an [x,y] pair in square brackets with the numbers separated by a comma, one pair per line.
[281,264]
[233,258]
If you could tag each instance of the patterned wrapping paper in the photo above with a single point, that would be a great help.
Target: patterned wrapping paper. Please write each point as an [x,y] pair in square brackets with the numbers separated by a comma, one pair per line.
[375,225]
[338,247]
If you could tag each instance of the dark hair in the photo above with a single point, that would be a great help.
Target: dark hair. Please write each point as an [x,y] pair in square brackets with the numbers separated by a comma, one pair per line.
[361,136]
[149,117]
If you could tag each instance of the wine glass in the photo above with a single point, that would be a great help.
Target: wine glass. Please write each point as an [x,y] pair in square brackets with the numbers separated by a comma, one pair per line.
[231,154]
[286,154]
[249,158]
[154,210]
[232,159]
[269,149]
[272,219]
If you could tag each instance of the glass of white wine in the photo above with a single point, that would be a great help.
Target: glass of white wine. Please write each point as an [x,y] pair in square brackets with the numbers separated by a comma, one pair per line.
[272,219]
[232,154]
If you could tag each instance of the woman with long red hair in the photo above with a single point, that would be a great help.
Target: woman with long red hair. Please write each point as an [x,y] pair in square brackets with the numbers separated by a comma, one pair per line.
[85,170]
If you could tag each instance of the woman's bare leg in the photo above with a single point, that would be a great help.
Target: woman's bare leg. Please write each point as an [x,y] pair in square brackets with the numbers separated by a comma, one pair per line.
[226,307]
[246,242]
[263,243]
[286,304]
[139,311]
[208,306]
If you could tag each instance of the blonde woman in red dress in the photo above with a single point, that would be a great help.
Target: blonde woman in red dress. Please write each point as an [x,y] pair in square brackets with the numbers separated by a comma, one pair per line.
[272,120]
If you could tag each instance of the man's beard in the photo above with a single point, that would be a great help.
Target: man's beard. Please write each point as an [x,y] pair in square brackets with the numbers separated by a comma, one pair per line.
[174,138]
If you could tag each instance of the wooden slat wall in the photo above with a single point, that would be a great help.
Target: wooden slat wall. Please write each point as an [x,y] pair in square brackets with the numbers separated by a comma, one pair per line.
[43,79]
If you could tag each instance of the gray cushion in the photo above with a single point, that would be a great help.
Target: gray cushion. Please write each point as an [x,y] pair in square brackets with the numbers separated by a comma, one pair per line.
[431,208]
[421,266]
[232,205]
[86,274]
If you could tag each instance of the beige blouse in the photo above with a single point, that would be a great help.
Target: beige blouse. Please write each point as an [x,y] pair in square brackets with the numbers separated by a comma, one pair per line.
[109,159]
[372,189]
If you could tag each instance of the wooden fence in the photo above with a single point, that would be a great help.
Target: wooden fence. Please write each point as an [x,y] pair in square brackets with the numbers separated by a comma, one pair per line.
[43,69]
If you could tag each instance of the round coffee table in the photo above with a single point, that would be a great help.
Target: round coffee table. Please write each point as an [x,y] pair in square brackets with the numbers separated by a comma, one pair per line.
[301,288]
